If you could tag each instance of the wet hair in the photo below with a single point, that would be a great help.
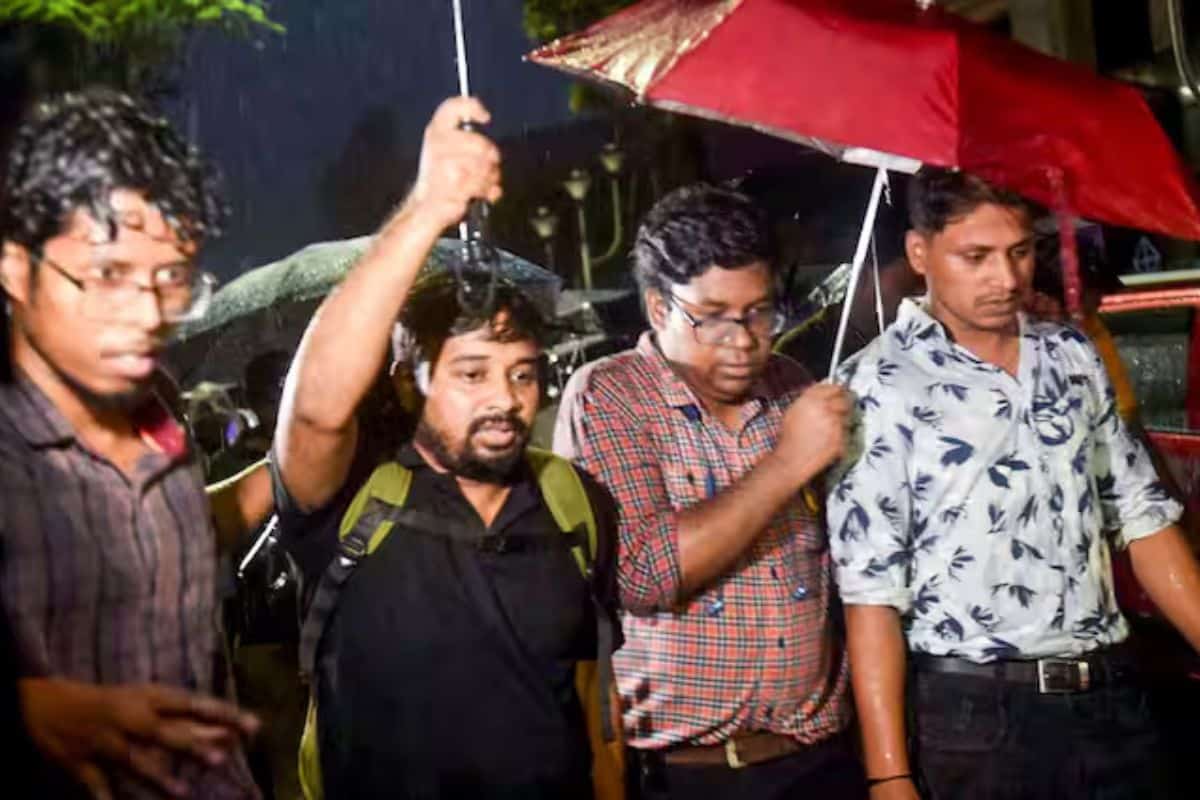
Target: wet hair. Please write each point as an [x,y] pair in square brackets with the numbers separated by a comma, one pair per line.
[693,229]
[434,314]
[72,151]
[938,197]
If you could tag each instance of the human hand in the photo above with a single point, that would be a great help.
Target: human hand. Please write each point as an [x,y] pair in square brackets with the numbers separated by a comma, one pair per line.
[814,429]
[87,729]
[457,166]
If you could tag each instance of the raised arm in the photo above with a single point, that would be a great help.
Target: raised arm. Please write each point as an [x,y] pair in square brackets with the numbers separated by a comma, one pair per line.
[344,348]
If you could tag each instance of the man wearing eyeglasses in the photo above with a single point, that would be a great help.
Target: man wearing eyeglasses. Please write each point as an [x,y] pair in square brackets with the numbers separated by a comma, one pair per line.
[107,546]
[731,674]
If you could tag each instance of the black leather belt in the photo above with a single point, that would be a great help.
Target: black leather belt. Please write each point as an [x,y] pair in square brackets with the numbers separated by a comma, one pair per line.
[1047,675]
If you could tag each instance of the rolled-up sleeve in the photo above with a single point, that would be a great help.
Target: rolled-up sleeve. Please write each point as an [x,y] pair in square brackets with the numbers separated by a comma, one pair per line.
[868,507]
[1133,499]
[601,432]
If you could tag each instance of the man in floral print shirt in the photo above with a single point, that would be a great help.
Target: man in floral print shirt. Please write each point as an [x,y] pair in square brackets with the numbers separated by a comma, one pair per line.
[972,525]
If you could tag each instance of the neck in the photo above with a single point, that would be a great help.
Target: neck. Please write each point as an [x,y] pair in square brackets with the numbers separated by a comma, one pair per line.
[997,346]
[486,498]
[95,424]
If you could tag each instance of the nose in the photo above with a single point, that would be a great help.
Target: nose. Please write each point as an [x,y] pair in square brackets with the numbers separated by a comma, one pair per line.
[740,337]
[144,310]
[504,396]
[1008,273]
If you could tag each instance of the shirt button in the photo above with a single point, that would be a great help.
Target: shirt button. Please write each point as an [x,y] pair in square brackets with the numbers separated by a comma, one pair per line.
[774,573]
[781,641]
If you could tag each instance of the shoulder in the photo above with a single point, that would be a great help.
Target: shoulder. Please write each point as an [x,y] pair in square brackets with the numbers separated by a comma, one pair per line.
[623,379]
[1063,342]
[875,364]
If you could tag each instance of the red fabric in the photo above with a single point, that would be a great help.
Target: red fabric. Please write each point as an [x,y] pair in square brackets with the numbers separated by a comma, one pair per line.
[926,85]
[153,420]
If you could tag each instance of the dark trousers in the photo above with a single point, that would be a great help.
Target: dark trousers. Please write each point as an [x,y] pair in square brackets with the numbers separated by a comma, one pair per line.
[828,770]
[983,739]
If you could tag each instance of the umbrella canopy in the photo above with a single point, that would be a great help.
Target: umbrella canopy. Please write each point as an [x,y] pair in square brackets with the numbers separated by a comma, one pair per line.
[887,76]
[269,307]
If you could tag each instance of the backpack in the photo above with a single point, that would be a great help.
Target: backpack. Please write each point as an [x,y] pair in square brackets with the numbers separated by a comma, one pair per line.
[377,508]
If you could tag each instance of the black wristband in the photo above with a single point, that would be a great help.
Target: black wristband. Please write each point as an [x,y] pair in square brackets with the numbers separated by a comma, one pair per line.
[876,781]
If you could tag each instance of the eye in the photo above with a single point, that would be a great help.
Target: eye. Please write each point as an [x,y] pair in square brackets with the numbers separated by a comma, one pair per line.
[108,274]
[524,377]
[173,275]
[473,375]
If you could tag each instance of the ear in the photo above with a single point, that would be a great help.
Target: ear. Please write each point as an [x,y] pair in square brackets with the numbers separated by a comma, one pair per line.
[15,271]
[656,308]
[916,247]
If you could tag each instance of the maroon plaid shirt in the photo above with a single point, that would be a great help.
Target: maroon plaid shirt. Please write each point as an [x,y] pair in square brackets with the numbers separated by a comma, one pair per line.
[108,579]
[755,651]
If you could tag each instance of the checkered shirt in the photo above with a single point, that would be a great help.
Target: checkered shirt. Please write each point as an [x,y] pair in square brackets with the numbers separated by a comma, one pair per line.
[756,650]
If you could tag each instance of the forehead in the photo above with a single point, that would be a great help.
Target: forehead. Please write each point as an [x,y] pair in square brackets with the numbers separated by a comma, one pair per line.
[482,344]
[720,286]
[142,232]
[989,224]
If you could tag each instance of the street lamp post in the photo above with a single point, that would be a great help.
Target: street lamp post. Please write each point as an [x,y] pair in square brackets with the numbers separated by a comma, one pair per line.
[577,185]
[612,159]
[545,225]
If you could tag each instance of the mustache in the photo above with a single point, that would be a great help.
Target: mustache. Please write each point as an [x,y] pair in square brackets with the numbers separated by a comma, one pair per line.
[512,420]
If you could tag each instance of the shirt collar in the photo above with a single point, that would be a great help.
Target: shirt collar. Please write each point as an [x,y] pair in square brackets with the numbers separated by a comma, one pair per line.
[42,425]
[917,328]
[676,391]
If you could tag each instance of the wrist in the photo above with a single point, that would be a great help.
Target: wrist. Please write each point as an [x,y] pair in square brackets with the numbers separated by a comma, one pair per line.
[797,470]
[420,217]
[872,782]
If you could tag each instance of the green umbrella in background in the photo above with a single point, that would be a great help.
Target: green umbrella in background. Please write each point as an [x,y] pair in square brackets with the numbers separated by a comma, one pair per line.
[269,307]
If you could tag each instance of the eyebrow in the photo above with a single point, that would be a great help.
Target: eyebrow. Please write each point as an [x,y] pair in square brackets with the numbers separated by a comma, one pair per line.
[988,247]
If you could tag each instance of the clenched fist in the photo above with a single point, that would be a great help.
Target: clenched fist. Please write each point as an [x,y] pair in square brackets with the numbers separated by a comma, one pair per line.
[815,428]
[457,166]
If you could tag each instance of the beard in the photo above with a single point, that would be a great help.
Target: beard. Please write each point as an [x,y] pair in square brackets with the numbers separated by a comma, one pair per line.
[121,402]
[474,463]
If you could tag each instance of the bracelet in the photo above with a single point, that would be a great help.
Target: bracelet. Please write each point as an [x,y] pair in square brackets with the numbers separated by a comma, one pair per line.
[876,781]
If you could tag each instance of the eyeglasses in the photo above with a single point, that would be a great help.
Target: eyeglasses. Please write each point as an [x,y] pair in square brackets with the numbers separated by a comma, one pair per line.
[183,293]
[761,323]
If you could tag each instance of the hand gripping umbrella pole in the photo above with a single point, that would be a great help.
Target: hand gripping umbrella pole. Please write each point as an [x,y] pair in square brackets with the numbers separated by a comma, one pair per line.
[477,259]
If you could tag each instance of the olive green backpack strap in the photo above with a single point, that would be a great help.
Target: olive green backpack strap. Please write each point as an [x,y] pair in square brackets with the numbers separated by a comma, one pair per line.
[367,522]
[565,495]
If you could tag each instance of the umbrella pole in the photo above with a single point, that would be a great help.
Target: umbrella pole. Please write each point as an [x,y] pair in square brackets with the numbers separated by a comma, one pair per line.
[860,258]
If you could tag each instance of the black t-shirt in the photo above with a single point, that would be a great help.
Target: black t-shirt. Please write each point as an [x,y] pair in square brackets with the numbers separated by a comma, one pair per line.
[447,670]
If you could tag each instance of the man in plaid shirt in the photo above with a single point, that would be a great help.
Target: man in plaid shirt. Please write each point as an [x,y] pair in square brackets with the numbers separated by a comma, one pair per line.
[732,673]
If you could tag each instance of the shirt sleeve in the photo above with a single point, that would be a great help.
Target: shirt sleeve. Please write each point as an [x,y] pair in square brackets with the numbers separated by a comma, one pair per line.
[1132,498]
[597,429]
[868,508]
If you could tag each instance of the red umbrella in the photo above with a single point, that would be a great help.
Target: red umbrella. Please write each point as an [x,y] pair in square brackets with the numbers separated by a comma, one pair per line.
[889,76]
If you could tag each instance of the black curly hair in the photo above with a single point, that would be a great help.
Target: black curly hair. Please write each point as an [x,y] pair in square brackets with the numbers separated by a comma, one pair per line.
[72,151]
[433,314]
[695,228]
[937,197]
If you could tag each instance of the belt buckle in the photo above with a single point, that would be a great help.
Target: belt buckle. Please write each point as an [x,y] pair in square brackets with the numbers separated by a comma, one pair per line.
[1063,676]
[731,755]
